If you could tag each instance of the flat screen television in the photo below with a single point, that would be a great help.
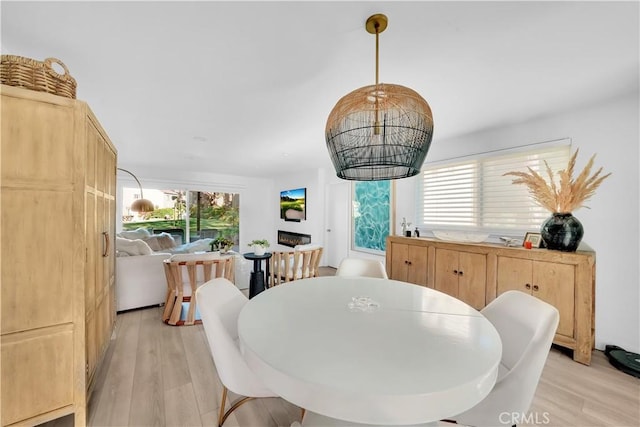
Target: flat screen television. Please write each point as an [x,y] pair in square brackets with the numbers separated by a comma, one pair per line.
[293,204]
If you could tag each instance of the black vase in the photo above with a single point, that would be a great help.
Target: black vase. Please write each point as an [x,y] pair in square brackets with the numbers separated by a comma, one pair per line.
[562,232]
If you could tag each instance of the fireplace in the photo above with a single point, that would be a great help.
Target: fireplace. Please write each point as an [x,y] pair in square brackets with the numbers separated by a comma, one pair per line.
[291,239]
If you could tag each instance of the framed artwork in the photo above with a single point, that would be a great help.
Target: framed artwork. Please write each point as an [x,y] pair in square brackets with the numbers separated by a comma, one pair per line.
[534,239]
[371,215]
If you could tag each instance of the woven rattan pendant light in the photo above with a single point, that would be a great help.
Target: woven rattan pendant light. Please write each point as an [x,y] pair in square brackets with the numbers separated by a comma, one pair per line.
[379,132]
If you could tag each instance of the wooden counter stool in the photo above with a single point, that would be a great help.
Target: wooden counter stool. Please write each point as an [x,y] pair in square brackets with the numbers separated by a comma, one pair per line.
[184,273]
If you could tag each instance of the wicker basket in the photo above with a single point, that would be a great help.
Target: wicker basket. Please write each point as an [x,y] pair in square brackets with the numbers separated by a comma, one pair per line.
[37,75]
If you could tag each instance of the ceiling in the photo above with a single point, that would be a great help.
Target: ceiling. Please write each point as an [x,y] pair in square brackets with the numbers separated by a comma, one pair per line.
[245,88]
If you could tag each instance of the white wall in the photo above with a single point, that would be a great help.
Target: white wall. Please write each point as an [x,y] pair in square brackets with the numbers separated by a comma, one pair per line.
[314,182]
[610,130]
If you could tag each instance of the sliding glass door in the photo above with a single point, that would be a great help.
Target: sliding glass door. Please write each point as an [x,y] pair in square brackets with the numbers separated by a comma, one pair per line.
[186,215]
[213,215]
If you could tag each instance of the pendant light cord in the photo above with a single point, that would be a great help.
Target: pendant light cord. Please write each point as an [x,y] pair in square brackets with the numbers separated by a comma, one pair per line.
[377,49]
[376,129]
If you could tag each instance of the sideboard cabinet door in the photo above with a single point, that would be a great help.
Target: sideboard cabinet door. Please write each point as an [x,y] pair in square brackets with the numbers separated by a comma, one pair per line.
[462,275]
[408,263]
[549,281]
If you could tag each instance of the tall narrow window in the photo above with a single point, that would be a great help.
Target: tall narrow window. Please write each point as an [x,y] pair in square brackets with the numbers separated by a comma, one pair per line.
[473,194]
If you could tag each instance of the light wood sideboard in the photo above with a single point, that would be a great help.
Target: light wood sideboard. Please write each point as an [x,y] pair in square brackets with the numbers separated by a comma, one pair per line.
[58,172]
[478,272]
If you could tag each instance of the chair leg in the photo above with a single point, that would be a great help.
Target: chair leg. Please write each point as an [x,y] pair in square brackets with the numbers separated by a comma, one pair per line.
[222,416]
[224,400]
[302,415]
[191,313]
[168,305]
[177,309]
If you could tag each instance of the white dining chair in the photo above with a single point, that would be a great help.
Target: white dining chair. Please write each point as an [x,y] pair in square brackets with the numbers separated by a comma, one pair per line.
[219,302]
[526,326]
[360,267]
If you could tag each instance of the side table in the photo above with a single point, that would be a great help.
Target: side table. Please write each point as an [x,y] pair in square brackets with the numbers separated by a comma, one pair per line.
[257,280]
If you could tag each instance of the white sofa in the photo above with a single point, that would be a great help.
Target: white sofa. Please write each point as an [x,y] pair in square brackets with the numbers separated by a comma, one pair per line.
[140,281]
[140,277]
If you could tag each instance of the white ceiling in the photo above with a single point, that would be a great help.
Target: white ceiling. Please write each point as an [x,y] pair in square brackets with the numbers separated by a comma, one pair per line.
[245,88]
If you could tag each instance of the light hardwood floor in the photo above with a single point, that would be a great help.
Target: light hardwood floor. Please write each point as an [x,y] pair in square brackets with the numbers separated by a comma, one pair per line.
[160,375]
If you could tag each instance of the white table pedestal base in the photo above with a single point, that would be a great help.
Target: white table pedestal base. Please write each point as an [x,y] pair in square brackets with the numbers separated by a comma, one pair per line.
[311,419]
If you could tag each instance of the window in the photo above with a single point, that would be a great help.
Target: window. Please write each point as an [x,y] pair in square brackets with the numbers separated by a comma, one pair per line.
[473,194]
[213,215]
[208,214]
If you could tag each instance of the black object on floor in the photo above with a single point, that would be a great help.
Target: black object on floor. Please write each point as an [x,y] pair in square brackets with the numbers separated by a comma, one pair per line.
[623,360]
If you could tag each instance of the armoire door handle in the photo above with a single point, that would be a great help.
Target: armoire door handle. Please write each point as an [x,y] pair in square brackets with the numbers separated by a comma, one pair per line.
[106,245]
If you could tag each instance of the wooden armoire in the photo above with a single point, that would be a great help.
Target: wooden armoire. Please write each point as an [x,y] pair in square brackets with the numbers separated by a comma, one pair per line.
[57,202]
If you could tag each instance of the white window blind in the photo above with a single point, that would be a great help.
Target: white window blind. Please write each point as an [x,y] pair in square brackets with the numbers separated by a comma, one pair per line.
[473,194]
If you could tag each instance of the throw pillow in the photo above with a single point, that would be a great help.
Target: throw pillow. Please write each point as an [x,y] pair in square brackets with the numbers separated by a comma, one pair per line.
[140,233]
[143,248]
[132,247]
[153,243]
[160,242]
[166,241]
[199,245]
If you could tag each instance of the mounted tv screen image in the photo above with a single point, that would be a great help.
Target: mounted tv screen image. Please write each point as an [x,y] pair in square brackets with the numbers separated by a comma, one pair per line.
[293,204]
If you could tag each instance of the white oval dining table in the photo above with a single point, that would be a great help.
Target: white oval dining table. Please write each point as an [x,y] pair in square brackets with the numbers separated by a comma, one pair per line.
[371,351]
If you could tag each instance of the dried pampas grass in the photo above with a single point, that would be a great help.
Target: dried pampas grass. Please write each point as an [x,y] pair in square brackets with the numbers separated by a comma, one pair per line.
[567,195]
